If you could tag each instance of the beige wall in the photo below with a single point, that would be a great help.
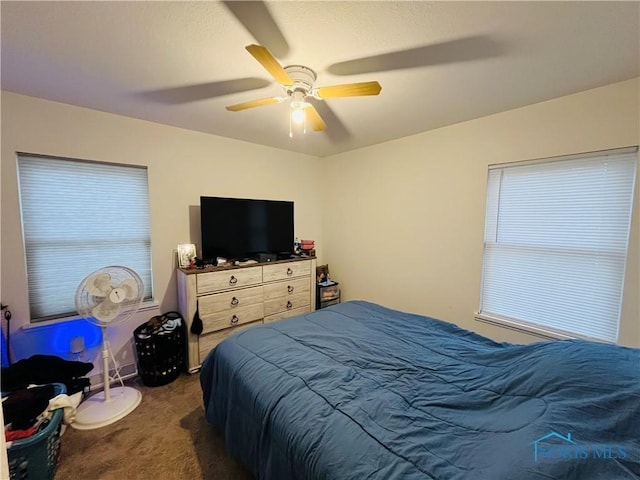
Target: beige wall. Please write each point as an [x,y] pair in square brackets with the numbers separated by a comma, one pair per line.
[182,165]
[403,221]
[400,223]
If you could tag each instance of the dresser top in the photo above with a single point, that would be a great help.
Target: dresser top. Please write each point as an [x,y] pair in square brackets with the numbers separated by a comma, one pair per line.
[211,268]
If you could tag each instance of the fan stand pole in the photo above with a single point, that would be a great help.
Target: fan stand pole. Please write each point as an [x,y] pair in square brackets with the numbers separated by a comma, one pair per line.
[105,364]
[106,407]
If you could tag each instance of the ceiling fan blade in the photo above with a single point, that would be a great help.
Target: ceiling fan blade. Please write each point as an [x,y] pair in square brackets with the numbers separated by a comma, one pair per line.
[256,18]
[253,103]
[269,62]
[314,118]
[349,90]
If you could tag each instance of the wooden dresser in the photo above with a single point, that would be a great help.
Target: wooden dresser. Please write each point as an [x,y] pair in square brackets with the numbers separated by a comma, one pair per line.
[229,299]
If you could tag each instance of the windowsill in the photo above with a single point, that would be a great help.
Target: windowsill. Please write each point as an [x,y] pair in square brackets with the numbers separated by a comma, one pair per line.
[541,332]
[145,307]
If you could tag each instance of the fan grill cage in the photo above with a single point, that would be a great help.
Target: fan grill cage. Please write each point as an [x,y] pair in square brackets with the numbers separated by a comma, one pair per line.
[87,301]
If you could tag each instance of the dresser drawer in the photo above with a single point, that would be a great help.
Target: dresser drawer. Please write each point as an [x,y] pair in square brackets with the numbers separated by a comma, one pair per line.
[282,271]
[218,302]
[231,317]
[226,279]
[287,288]
[230,299]
[207,342]
[284,304]
[289,313]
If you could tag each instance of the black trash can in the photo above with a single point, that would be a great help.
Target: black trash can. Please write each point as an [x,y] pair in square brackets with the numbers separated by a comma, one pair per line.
[160,348]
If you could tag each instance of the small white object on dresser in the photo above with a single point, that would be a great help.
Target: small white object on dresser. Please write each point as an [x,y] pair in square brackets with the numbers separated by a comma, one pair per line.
[230,299]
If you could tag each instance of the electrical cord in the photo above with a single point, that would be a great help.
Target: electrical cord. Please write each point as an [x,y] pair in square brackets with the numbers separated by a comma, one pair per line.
[7,317]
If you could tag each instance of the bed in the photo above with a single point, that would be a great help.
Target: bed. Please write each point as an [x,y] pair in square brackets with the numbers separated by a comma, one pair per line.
[360,391]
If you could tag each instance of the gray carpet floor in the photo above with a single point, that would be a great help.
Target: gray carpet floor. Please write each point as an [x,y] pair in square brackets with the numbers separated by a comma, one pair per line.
[165,438]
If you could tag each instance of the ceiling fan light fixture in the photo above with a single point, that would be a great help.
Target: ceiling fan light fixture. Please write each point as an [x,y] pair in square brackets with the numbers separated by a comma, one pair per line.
[298,105]
[297,118]
[297,123]
[297,114]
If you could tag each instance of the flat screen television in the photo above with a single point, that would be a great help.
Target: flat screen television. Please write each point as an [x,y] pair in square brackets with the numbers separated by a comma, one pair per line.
[242,228]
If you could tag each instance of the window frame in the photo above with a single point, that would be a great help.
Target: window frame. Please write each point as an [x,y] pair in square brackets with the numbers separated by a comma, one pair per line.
[58,317]
[544,331]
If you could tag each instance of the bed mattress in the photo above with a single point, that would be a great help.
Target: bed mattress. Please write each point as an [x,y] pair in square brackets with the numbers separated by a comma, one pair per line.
[360,391]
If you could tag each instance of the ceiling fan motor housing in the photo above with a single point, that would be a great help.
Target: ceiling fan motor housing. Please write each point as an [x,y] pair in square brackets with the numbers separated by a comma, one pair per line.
[303,79]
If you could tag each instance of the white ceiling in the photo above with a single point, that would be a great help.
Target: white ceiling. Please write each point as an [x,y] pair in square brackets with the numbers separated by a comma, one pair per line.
[439,63]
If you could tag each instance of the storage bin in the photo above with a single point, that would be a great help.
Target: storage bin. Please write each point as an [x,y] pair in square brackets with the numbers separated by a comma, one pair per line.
[330,292]
[160,349]
[328,303]
[327,294]
[36,457]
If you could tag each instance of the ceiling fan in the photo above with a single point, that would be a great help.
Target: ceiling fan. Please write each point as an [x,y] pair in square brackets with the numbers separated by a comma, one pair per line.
[298,84]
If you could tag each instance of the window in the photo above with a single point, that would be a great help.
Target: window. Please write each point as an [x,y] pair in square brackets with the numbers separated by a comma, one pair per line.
[555,245]
[79,216]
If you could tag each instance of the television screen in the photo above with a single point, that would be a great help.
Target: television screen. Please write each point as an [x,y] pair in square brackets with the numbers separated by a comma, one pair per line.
[238,228]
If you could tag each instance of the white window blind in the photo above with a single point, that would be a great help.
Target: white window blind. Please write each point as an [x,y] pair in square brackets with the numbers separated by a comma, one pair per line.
[77,217]
[555,246]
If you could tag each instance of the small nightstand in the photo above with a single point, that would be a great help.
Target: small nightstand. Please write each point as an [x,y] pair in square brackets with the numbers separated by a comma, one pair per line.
[327,294]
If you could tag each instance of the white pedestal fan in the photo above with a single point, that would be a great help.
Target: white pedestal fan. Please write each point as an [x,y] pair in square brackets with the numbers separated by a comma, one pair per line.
[108,296]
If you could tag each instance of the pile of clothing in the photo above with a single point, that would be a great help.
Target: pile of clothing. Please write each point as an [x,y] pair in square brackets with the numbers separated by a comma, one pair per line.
[29,398]
[159,325]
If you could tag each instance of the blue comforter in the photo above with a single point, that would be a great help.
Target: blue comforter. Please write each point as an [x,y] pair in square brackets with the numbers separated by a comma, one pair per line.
[359,391]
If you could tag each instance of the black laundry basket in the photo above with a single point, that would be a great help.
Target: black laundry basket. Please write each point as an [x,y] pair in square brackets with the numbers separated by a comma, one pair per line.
[160,348]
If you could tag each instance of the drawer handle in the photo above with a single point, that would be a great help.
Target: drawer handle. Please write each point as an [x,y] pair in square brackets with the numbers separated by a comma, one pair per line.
[234,320]
[233,280]
[289,271]
[289,288]
[289,305]
[234,301]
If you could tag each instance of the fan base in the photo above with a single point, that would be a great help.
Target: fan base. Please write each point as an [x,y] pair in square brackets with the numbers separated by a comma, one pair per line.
[95,412]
